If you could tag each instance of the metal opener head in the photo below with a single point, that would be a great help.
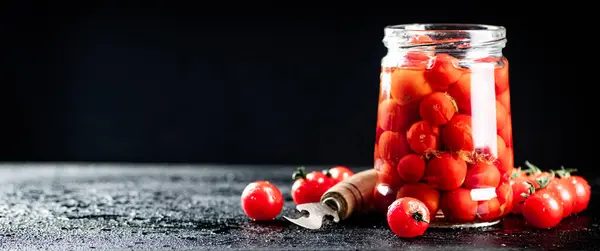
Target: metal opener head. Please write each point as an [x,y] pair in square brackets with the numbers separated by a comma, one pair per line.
[316,213]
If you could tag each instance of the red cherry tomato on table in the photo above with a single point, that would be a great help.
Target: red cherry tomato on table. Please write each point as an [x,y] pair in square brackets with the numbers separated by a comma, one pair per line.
[445,171]
[338,173]
[565,191]
[309,188]
[423,192]
[581,187]
[542,209]
[262,200]
[408,217]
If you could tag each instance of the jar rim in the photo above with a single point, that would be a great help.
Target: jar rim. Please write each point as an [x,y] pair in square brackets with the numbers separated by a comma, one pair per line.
[403,35]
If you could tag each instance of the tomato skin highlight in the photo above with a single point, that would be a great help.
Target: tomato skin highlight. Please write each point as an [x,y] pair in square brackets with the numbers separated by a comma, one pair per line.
[423,138]
[582,193]
[261,200]
[542,210]
[458,205]
[423,192]
[408,217]
[411,168]
[457,135]
[409,86]
[437,108]
[482,175]
[443,72]
[308,188]
[338,173]
[565,192]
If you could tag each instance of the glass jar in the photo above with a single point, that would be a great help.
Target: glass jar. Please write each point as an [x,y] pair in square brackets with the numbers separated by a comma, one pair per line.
[444,129]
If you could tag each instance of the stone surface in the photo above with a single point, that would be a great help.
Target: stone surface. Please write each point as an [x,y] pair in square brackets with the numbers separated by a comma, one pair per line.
[176,207]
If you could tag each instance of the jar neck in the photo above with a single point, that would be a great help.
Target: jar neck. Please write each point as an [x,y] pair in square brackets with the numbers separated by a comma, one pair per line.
[466,54]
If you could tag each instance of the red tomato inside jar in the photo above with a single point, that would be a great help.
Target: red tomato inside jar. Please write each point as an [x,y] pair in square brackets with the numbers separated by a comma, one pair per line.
[444,121]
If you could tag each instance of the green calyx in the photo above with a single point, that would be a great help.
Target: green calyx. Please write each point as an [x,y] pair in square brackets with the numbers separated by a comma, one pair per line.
[300,173]
[418,216]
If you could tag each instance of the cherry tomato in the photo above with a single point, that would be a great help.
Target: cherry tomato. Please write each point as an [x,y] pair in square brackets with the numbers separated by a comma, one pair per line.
[488,210]
[506,161]
[504,99]
[542,210]
[444,71]
[420,39]
[409,86]
[338,173]
[309,188]
[458,205]
[505,198]
[423,192]
[457,135]
[461,92]
[423,138]
[437,108]
[392,147]
[506,131]
[565,192]
[394,117]
[387,174]
[482,175]
[521,189]
[445,171]
[501,76]
[583,193]
[501,116]
[411,168]
[500,147]
[262,200]
[408,217]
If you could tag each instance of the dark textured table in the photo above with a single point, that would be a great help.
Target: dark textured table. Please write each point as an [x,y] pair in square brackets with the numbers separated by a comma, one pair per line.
[175,207]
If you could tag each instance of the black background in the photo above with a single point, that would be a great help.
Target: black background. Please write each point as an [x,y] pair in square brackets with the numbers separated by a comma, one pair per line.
[247,83]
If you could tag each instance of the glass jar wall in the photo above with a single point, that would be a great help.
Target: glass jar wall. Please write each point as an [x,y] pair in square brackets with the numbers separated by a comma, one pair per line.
[444,130]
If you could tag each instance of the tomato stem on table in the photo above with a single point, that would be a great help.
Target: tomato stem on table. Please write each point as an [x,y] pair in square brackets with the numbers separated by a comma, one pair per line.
[418,216]
[300,173]
[532,169]
[564,173]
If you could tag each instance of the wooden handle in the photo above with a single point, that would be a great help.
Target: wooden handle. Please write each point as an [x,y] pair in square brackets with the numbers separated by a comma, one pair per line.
[351,195]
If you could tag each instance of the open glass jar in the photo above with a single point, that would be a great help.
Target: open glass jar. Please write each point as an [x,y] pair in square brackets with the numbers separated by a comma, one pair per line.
[444,130]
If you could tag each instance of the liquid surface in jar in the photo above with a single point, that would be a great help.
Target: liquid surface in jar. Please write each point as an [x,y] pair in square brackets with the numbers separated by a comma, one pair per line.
[444,136]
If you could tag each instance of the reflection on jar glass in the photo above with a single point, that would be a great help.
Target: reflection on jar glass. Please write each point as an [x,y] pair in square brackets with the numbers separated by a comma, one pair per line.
[444,129]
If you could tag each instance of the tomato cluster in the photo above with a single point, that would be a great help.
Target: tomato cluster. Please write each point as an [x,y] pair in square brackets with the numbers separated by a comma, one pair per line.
[261,200]
[309,187]
[544,199]
[444,136]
